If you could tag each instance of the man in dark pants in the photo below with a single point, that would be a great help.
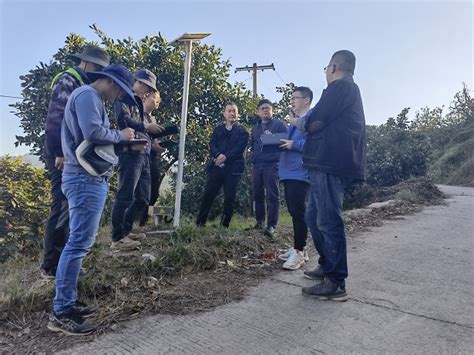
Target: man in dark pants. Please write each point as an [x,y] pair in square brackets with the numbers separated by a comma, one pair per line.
[228,142]
[265,168]
[335,155]
[91,59]
[150,103]
[295,180]
[133,192]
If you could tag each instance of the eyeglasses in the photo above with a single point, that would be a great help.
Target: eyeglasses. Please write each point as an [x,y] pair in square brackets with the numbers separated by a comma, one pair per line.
[297,97]
[326,68]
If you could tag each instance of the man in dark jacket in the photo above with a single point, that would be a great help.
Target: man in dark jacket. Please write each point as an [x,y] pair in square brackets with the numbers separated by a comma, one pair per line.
[90,59]
[265,168]
[133,192]
[228,142]
[151,103]
[335,156]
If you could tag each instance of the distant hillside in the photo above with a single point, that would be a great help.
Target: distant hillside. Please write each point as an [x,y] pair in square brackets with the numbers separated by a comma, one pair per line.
[453,163]
[33,160]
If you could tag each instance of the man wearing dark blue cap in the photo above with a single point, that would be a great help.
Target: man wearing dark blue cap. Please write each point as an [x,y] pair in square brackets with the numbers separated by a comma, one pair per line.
[133,192]
[85,119]
[91,59]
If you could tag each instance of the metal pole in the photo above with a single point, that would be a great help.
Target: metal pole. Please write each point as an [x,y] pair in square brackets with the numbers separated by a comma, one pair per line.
[182,132]
[254,74]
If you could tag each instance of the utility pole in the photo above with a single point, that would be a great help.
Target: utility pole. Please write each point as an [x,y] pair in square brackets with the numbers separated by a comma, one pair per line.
[254,68]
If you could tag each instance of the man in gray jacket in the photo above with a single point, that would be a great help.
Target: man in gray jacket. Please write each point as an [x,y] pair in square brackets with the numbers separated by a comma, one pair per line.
[85,118]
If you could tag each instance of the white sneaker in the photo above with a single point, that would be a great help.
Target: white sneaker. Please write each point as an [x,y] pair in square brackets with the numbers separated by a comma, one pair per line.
[305,254]
[295,260]
[286,255]
[125,244]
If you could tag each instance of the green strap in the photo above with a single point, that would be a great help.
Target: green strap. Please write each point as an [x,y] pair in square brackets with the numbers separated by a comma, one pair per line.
[71,71]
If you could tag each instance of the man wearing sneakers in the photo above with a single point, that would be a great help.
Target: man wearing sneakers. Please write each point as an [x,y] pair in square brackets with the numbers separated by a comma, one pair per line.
[85,119]
[335,156]
[133,192]
[295,179]
[92,58]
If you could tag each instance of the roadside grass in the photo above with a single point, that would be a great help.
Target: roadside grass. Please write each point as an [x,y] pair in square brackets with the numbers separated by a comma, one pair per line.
[129,282]
[188,270]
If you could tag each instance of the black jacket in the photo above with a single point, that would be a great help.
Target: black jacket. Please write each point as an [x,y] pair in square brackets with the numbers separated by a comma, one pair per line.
[336,140]
[230,143]
[270,156]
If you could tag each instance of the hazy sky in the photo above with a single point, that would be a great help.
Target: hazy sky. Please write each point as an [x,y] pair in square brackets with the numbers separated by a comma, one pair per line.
[409,53]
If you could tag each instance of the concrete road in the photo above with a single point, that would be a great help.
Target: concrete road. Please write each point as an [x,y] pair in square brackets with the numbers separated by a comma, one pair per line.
[412,291]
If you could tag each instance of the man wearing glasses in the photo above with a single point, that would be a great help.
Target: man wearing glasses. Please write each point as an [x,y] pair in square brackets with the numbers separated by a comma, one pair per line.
[335,156]
[295,179]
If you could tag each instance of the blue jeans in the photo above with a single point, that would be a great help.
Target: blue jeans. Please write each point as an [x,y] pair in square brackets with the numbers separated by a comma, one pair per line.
[324,219]
[86,195]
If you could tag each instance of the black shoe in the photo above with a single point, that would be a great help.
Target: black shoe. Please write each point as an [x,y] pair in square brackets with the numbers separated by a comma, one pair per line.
[258,225]
[316,274]
[83,310]
[70,324]
[327,290]
[269,232]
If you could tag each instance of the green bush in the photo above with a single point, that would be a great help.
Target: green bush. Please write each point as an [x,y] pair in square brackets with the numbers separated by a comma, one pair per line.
[396,153]
[24,205]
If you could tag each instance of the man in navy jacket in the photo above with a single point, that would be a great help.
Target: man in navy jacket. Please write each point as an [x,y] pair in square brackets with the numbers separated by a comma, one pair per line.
[335,156]
[265,168]
[228,143]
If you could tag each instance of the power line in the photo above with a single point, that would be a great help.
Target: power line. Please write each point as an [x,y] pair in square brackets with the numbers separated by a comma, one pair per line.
[11,97]
[282,80]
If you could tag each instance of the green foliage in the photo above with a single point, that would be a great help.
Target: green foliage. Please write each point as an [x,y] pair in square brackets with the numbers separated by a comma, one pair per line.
[452,139]
[24,205]
[209,88]
[395,153]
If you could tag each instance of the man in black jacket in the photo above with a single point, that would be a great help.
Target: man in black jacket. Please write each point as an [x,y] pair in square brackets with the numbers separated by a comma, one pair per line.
[265,168]
[228,142]
[335,156]
[133,192]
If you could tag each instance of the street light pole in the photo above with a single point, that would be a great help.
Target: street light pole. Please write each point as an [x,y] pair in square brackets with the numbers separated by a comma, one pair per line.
[187,39]
[182,132]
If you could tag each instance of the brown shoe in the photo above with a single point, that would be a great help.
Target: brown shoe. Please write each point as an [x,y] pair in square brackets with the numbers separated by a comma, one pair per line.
[125,244]
[137,236]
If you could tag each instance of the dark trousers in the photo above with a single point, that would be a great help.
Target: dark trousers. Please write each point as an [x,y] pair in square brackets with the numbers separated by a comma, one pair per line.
[296,194]
[265,187]
[133,193]
[155,165]
[324,219]
[57,226]
[216,178]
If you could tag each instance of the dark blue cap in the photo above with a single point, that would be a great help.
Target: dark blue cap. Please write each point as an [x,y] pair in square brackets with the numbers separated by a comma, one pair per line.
[121,76]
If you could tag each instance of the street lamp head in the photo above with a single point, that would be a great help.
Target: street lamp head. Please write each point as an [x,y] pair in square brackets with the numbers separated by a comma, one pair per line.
[189,36]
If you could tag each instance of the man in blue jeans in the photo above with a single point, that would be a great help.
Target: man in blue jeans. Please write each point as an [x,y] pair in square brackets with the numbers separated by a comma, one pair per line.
[335,156]
[85,118]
